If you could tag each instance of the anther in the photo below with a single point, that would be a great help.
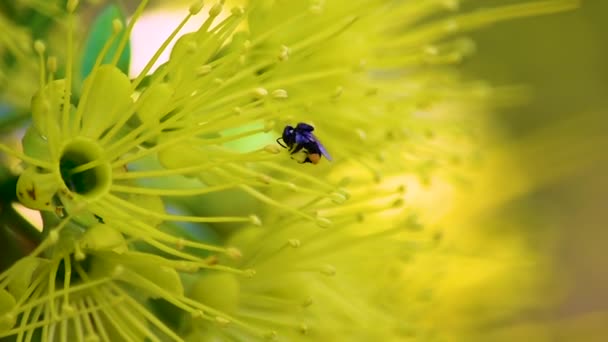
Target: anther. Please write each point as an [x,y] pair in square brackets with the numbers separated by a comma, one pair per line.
[237,11]
[216,9]
[338,198]
[284,53]
[233,252]
[274,149]
[255,220]
[195,7]
[279,94]
[203,70]
[40,47]
[323,222]
[259,92]
[221,320]
[117,25]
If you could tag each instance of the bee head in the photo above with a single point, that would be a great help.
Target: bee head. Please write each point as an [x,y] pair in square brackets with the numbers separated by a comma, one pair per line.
[288,134]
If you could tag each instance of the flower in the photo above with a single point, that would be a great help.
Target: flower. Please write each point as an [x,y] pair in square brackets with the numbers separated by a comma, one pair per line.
[119,165]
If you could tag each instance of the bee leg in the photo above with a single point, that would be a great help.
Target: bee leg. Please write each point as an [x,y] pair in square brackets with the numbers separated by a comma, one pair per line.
[296,149]
[278,142]
[304,161]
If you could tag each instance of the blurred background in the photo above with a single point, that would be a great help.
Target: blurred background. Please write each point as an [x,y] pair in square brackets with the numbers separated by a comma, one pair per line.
[559,137]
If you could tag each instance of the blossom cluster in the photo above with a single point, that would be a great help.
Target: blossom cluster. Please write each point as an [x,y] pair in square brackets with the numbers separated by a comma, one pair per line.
[170,211]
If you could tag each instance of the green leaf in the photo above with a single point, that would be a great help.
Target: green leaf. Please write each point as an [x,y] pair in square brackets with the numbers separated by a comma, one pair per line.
[100,32]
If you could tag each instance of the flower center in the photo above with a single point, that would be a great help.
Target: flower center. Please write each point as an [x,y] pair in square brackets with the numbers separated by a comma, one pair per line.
[83,169]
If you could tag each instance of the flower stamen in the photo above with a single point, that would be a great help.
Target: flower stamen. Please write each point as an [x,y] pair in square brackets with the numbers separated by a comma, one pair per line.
[67,106]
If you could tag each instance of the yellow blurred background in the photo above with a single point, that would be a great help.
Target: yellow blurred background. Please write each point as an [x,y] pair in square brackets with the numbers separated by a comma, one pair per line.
[559,138]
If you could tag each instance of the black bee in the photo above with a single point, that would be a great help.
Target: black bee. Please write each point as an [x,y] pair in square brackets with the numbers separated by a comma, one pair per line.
[303,144]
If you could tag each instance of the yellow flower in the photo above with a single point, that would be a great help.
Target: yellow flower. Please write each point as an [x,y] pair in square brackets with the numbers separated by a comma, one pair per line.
[298,251]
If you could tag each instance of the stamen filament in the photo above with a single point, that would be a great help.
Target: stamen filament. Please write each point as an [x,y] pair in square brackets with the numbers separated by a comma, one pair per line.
[147,314]
[171,192]
[179,218]
[32,161]
[67,105]
[99,326]
[66,279]
[159,52]
[265,199]
[127,34]
[154,233]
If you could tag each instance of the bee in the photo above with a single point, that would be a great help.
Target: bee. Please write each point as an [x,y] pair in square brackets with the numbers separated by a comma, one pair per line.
[302,144]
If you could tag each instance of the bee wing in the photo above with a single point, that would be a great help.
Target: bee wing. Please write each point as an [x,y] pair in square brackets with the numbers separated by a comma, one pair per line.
[303,127]
[323,150]
[304,138]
